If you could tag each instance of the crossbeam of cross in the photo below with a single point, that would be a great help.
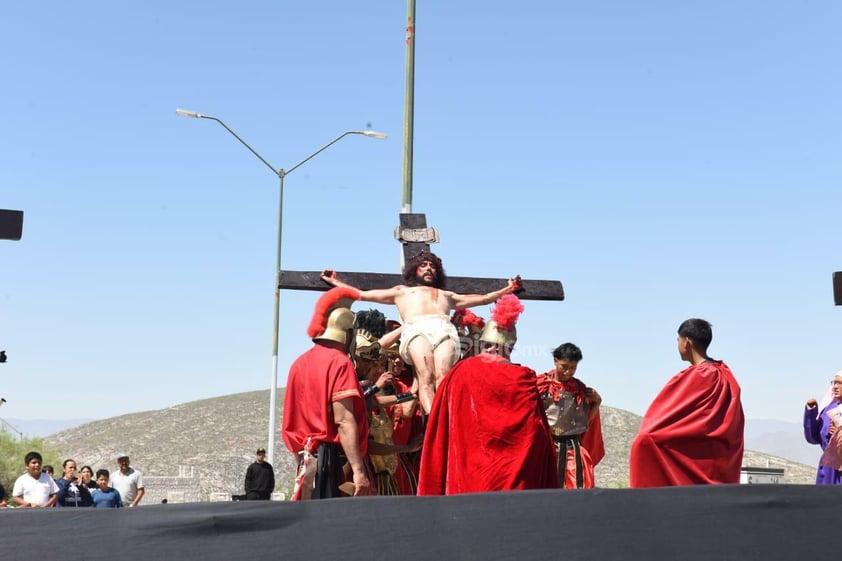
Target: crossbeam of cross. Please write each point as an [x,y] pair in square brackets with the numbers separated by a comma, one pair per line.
[417,225]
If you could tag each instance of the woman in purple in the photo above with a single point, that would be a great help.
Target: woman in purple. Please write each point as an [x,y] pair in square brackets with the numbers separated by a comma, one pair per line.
[821,423]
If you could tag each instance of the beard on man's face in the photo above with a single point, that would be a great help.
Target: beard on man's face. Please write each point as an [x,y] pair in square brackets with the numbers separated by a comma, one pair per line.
[420,280]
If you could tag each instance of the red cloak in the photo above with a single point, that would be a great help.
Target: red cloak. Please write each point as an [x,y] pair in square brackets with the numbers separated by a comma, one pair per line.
[693,431]
[487,431]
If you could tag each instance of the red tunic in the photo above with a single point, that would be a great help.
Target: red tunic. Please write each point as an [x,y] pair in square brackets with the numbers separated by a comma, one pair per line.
[404,430]
[693,431]
[317,379]
[592,444]
[487,431]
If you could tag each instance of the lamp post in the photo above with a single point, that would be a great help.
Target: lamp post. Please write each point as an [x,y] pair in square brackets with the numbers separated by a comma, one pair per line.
[280,173]
[8,424]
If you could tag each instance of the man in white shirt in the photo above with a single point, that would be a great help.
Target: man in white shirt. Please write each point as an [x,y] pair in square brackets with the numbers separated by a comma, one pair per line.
[128,481]
[34,488]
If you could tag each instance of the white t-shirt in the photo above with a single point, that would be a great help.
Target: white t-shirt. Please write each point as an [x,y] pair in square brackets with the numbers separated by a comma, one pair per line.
[35,491]
[127,485]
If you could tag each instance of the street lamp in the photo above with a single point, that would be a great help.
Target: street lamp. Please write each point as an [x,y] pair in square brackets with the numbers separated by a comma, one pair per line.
[8,424]
[281,173]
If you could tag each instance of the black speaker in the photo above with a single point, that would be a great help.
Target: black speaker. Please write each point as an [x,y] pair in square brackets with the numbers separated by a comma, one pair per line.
[11,224]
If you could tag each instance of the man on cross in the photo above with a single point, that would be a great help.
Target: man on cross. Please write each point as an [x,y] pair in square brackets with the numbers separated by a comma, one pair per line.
[429,340]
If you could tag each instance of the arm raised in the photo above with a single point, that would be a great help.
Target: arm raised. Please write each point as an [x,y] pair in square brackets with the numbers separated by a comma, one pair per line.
[461,301]
[379,296]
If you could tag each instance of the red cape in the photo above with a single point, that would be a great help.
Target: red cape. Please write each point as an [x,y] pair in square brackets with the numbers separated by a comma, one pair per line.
[693,431]
[487,431]
[592,439]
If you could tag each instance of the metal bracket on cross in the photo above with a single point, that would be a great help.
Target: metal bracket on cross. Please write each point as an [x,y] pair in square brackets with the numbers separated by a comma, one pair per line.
[417,235]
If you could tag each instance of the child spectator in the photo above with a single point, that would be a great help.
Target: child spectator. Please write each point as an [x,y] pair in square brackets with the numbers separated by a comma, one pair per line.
[34,488]
[105,496]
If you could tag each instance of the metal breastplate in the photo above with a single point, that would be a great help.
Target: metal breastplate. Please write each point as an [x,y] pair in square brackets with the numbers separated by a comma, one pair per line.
[381,429]
[566,417]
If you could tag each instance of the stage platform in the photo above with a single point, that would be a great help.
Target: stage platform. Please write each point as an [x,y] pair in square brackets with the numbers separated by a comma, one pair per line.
[726,522]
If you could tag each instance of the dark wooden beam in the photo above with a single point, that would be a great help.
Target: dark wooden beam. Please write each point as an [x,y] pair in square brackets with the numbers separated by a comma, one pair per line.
[413,221]
[311,280]
[837,288]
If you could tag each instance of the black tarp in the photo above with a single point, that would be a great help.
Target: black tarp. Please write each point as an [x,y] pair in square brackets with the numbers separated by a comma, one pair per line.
[726,522]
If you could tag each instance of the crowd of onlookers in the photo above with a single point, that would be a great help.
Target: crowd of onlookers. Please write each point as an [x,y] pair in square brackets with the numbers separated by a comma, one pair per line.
[38,488]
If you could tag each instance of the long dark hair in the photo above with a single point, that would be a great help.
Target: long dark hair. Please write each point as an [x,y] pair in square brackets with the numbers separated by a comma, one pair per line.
[411,267]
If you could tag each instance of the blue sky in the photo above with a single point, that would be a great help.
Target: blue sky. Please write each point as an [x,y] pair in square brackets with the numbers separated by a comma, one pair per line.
[664,160]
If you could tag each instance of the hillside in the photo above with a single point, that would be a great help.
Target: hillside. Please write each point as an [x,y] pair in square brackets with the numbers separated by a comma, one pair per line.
[216,437]
[203,447]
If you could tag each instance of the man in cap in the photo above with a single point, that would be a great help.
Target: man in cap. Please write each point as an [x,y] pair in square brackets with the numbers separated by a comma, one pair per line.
[429,341]
[128,482]
[325,424]
[260,478]
[487,430]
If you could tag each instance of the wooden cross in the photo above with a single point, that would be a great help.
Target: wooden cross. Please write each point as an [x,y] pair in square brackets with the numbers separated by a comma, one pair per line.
[837,288]
[415,236]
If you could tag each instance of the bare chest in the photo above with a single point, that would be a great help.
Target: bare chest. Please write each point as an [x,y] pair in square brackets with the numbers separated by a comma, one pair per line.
[416,301]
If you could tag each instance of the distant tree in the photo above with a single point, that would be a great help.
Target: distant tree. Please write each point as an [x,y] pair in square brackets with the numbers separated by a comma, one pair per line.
[12,452]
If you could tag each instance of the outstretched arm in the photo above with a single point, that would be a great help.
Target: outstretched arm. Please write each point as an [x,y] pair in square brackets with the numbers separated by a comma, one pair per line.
[460,301]
[380,296]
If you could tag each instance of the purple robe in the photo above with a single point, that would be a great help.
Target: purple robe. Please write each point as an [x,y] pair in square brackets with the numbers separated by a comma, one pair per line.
[816,432]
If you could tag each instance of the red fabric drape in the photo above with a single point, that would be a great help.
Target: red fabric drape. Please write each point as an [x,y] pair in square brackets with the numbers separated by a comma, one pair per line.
[487,431]
[592,440]
[693,431]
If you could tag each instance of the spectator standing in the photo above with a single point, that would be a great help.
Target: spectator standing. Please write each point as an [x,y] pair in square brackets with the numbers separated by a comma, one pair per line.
[128,481]
[71,491]
[34,488]
[821,426]
[260,478]
[105,496]
[88,479]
